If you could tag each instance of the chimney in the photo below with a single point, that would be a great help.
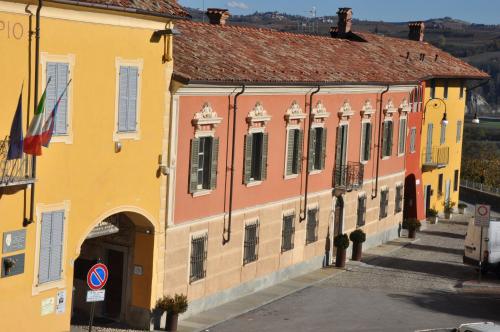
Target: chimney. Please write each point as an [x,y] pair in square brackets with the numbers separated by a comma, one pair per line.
[217,16]
[416,31]
[345,20]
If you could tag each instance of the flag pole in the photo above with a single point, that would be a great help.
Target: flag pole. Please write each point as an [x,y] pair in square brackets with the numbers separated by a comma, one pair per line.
[35,104]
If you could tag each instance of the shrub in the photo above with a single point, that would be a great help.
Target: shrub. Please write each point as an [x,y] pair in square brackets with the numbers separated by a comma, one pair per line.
[411,224]
[341,241]
[357,236]
[448,206]
[462,205]
[432,213]
[173,305]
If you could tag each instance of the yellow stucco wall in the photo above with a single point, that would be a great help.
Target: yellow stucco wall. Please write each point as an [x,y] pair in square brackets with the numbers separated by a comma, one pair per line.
[455,107]
[83,175]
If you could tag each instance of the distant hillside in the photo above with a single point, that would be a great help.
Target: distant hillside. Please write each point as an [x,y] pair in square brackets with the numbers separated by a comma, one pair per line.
[477,44]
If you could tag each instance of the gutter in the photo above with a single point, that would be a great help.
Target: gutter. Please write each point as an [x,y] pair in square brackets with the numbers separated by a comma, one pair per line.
[379,146]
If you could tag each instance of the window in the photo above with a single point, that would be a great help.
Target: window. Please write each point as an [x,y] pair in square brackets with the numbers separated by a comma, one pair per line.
[442,139]
[198,257]
[455,181]
[127,100]
[251,243]
[58,74]
[204,155]
[387,139]
[255,157]
[402,136]
[361,211]
[317,149]
[433,89]
[459,131]
[366,139]
[384,203]
[51,247]
[312,226]
[440,184]
[413,137]
[445,92]
[294,151]
[462,89]
[399,199]
[428,147]
[287,233]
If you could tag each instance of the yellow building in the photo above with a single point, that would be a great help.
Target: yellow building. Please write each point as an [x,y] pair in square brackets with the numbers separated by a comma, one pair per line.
[441,147]
[100,186]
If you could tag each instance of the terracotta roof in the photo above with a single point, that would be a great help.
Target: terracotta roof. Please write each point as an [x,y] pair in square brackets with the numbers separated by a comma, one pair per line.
[235,54]
[169,8]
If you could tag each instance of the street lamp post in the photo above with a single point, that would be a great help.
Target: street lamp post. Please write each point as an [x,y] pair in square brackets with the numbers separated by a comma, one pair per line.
[435,105]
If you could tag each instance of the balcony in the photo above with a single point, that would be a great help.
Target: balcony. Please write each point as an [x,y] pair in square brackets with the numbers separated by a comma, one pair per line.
[348,177]
[438,157]
[15,172]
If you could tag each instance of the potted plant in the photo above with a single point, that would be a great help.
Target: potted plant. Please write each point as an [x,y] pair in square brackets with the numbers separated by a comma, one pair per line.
[412,225]
[357,237]
[448,208]
[432,215]
[341,242]
[174,306]
[461,208]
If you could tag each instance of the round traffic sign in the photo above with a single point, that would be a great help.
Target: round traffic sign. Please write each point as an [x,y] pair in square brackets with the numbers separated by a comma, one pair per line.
[97,276]
[482,210]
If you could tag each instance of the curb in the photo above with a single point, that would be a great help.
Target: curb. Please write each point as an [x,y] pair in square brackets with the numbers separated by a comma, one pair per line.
[474,284]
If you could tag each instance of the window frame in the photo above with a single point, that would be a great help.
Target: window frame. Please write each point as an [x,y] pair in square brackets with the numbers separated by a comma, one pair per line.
[459,131]
[398,207]
[309,239]
[385,145]
[440,184]
[287,244]
[250,181]
[402,136]
[413,139]
[384,203]
[364,140]
[203,236]
[214,158]
[249,257]
[318,149]
[361,213]
[456,180]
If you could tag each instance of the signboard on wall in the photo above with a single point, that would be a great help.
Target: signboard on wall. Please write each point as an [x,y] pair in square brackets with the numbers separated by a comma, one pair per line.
[14,241]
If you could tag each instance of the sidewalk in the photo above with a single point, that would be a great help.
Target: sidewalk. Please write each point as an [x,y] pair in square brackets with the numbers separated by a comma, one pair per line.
[204,320]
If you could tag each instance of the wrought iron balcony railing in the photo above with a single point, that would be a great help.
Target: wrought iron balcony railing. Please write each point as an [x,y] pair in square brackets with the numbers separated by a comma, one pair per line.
[348,177]
[437,157]
[14,172]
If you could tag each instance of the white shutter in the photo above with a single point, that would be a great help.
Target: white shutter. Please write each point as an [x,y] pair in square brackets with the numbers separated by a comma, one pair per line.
[123,98]
[61,120]
[133,75]
[56,245]
[51,91]
[44,255]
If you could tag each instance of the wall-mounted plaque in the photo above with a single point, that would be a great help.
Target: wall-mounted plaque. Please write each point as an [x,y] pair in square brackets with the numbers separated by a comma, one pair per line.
[12,265]
[14,241]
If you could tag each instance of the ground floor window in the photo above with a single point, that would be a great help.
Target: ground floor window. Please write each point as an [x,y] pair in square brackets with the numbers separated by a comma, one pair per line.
[312,226]
[399,199]
[198,257]
[251,243]
[361,211]
[287,233]
[384,203]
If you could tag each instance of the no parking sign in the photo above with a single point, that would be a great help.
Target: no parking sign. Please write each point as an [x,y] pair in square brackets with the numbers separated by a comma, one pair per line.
[482,217]
[97,276]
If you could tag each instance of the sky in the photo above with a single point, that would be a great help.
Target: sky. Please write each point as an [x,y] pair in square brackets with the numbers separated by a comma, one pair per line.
[474,11]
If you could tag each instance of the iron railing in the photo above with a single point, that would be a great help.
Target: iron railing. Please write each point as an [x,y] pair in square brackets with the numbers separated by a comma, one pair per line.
[437,157]
[480,186]
[14,172]
[250,247]
[198,258]
[287,233]
[349,177]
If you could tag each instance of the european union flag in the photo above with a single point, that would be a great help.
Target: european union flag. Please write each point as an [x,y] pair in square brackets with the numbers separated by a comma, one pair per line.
[16,133]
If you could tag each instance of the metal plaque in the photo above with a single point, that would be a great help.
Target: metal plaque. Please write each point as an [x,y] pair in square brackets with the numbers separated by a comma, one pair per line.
[14,241]
[12,265]
[96,296]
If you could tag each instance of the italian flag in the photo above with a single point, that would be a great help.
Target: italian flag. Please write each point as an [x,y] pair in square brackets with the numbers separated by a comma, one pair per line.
[33,139]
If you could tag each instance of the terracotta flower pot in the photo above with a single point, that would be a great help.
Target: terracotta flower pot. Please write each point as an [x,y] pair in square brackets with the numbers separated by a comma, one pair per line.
[412,233]
[172,320]
[357,249]
[340,258]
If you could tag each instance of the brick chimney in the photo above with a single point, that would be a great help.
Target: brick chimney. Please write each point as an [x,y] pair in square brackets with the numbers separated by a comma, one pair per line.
[416,31]
[345,20]
[217,16]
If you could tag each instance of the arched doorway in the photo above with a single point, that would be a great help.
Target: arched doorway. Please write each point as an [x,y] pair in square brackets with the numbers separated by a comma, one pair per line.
[125,243]
[410,197]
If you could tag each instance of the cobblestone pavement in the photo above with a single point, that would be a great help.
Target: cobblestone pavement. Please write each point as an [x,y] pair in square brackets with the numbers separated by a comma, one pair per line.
[415,287]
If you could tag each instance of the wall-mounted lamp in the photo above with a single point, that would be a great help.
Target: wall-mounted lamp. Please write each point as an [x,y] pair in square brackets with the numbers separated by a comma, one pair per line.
[435,105]
[118,147]
[444,121]
[476,119]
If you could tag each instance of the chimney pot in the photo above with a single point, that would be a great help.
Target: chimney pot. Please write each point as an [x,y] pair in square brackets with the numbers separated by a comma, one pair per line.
[345,20]
[217,16]
[416,31]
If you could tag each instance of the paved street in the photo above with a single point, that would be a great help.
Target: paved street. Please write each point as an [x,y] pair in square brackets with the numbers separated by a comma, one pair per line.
[415,287]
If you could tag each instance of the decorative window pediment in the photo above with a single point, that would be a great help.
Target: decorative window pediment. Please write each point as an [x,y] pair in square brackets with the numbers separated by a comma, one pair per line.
[294,113]
[207,117]
[319,112]
[345,111]
[405,107]
[389,108]
[258,115]
[367,109]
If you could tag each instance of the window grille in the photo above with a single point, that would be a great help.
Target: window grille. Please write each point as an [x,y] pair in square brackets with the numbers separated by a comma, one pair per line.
[287,233]
[361,211]
[399,199]
[384,202]
[251,243]
[198,257]
[312,226]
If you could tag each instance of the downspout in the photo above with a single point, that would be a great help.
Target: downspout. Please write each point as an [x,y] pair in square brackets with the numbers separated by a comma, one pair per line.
[375,192]
[35,106]
[304,212]
[231,184]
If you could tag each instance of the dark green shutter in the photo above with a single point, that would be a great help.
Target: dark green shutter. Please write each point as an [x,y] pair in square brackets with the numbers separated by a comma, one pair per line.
[338,145]
[312,139]
[299,152]
[323,148]
[289,152]
[384,139]
[193,178]
[265,143]
[248,159]
[390,137]
[213,166]
[368,141]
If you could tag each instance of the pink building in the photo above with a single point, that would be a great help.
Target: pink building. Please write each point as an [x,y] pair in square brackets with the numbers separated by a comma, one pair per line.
[279,142]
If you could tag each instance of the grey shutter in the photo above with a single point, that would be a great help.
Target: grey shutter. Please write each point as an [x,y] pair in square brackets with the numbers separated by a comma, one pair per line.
[368,141]
[248,158]
[133,74]
[459,130]
[402,135]
[44,254]
[289,151]
[265,144]
[213,166]
[193,176]
[323,147]
[51,91]
[123,99]
[443,134]
[428,149]
[384,138]
[56,244]
[61,119]
[299,152]
[390,137]
[312,139]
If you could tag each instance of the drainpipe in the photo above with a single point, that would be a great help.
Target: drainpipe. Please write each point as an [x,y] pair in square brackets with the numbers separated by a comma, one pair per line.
[375,193]
[304,212]
[231,185]
[35,104]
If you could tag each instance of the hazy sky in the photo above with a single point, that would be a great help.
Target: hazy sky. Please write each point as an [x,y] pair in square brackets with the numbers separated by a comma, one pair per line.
[475,11]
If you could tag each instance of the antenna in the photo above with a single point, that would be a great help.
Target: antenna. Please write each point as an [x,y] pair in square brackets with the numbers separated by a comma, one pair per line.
[203,9]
